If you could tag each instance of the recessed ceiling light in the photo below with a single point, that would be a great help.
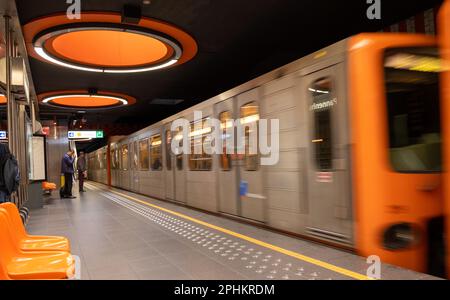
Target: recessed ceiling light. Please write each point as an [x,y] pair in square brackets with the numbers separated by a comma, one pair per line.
[101,43]
[107,49]
[83,101]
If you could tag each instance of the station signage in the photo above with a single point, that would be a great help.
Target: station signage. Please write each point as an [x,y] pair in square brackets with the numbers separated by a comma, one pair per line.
[85,134]
[3,135]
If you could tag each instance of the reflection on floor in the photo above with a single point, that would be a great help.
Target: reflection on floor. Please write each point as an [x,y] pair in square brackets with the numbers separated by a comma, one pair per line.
[117,237]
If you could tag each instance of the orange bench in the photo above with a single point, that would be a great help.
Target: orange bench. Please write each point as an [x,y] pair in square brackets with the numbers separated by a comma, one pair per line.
[32,242]
[48,187]
[31,263]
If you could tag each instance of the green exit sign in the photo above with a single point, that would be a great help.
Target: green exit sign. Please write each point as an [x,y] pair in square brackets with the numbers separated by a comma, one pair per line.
[99,134]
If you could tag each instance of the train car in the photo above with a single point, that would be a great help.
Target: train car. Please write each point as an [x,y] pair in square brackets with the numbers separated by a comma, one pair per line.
[360,160]
[98,165]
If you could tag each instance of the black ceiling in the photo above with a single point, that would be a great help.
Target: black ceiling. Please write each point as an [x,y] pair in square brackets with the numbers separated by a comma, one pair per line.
[238,40]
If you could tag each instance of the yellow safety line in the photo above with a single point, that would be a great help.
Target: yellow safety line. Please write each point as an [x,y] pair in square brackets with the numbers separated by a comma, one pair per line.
[308,259]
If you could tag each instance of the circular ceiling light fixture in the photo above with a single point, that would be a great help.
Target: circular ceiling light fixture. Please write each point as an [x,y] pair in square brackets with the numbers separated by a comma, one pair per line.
[84,100]
[99,42]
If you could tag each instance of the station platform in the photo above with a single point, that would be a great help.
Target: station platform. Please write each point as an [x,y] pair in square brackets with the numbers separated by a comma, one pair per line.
[122,235]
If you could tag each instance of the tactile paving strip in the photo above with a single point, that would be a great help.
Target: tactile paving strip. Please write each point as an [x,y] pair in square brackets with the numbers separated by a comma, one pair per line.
[256,262]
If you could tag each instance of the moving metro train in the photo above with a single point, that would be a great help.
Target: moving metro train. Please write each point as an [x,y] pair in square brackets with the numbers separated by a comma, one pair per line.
[363,171]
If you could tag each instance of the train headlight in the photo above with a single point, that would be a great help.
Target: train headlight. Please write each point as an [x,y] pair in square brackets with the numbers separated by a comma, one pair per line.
[400,236]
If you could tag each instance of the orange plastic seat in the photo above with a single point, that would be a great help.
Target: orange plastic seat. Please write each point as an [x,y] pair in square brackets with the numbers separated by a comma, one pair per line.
[18,264]
[48,186]
[31,242]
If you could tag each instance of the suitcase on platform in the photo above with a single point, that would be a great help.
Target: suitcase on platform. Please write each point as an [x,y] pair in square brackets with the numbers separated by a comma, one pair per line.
[61,190]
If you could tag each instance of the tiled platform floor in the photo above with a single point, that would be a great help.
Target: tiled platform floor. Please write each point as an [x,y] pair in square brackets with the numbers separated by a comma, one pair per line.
[117,238]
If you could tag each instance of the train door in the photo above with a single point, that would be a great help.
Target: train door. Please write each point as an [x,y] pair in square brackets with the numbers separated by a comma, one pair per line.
[330,210]
[249,172]
[134,175]
[170,163]
[227,175]
[180,170]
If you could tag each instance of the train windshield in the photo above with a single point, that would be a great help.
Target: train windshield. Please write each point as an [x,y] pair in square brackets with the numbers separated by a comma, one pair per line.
[413,109]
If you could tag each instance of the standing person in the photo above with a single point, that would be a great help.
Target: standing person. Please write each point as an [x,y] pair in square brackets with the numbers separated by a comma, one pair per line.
[81,167]
[9,173]
[67,170]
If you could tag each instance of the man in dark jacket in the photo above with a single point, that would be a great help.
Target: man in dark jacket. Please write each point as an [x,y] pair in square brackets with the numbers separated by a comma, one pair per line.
[67,170]
[9,173]
[4,193]
[81,168]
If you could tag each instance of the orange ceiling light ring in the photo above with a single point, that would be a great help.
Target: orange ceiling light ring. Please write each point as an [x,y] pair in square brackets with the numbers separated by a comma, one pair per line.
[123,50]
[140,48]
[2,99]
[84,100]
[99,42]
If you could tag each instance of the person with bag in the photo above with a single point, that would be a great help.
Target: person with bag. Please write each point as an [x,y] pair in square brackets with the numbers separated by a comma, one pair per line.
[9,173]
[67,170]
[81,168]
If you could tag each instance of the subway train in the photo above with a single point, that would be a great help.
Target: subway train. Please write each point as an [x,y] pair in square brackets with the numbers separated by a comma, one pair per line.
[360,158]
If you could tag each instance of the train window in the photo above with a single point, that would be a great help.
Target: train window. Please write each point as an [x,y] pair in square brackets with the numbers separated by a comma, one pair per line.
[180,162]
[119,157]
[199,160]
[156,153]
[143,155]
[249,117]
[125,157]
[322,103]
[168,150]
[225,123]
[179,157]
[104,159]
[98,162]
[135,155]
[116,158]
[413,111]
[113,163]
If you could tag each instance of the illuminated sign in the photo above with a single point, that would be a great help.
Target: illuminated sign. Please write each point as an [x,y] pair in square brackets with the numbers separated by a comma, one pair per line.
[323,105]
[411,62]
[3,135]
[98,134]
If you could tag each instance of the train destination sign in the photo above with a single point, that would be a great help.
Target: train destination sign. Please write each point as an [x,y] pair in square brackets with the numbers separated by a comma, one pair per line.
[85,134]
